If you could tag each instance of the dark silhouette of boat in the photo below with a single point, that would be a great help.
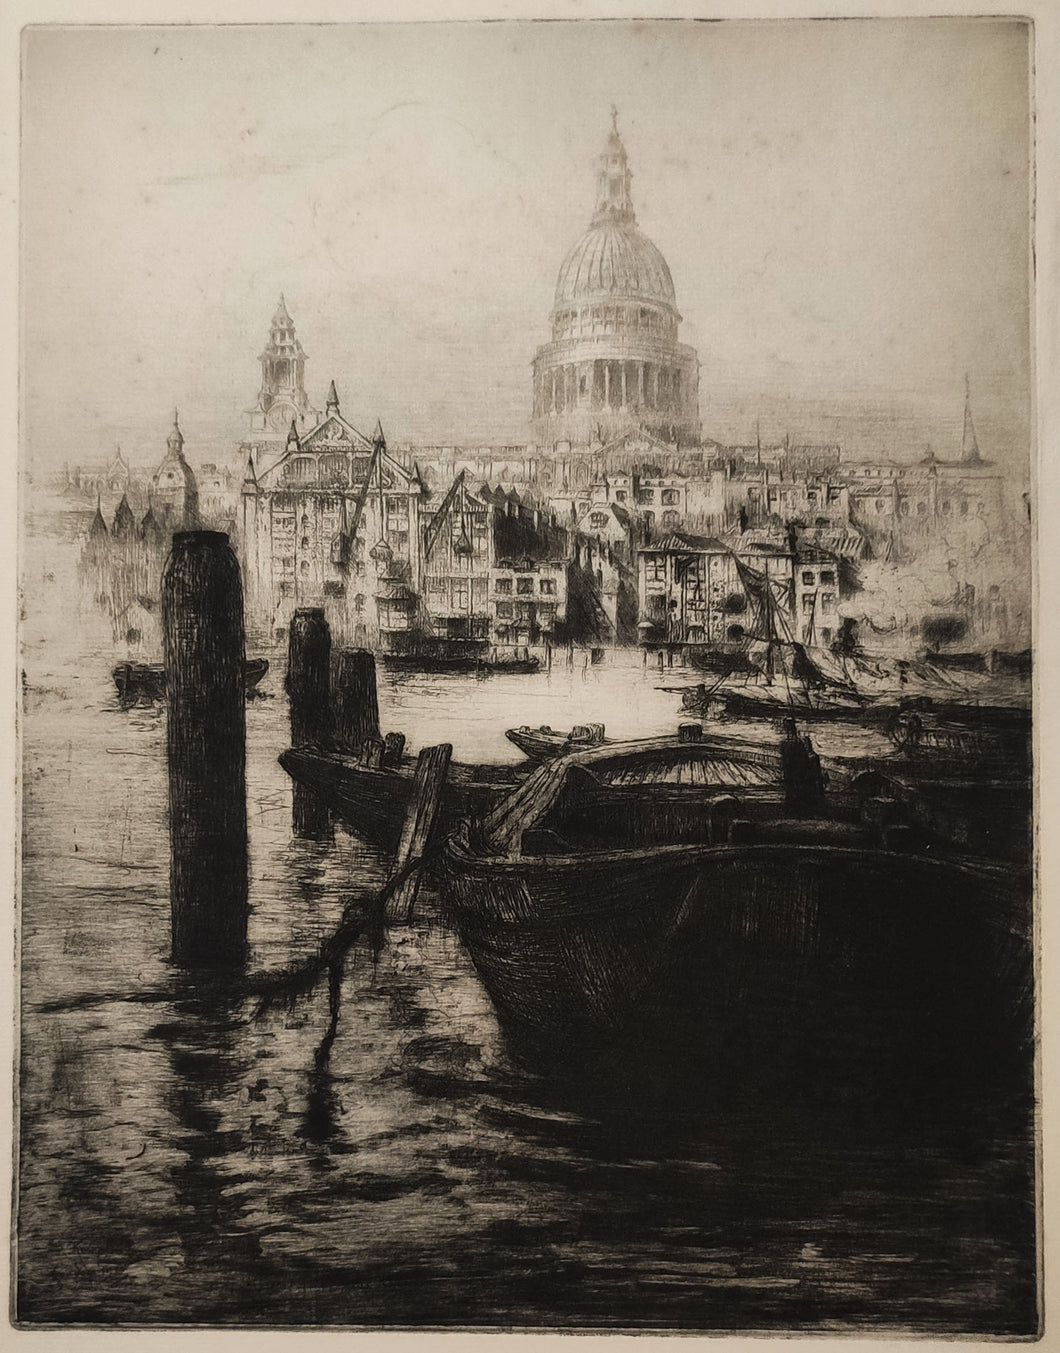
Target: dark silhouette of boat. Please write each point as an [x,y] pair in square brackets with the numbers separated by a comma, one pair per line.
[690,899]
[373,801]
[435,654]
[1011,663]
[144,683]
[960,662]
[541,744]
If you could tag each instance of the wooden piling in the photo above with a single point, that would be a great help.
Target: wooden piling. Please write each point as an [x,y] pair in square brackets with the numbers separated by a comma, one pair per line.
[354,700]
[308,686]
[203,648]
[432,766]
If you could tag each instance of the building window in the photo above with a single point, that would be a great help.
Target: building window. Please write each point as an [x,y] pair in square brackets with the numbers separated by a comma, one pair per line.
[879,504]
[504,610]
[903,507]
[827,600]
[461,596]
[305,543]
[809,578]
[598,520]
[548,587]
[655,568]
[305,568]
[921,508]
[522,611]
[964,509]
[826,636]
[620,495]
[649,521]
[669,518]
[646,496]
[436,587]
[946,506]
[670,497]
[524,586]
[503,586]
[827,576]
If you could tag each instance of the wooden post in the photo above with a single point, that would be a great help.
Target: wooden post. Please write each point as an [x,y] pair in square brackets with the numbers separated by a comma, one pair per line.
[428,786]
[373,750]
[690,732]
[202,623]
[394,749]
[308,685]
[354,701]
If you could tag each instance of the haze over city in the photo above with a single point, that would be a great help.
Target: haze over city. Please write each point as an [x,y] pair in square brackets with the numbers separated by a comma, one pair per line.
[840,263]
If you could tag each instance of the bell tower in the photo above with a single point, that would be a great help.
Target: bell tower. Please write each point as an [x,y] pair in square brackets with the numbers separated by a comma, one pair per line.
[282,396]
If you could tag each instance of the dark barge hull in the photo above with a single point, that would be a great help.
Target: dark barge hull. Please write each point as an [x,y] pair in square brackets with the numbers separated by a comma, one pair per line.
[373,802]
[412,662]
[744,706]
[145,683]
[788,955]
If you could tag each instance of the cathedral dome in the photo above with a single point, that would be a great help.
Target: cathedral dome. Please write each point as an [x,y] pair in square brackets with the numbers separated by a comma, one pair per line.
[614,259]
[614,364]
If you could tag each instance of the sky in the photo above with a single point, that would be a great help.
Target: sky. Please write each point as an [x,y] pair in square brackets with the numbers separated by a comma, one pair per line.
[844,207]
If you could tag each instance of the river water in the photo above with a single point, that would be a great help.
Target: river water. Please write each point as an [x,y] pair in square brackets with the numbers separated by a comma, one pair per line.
[186,1161]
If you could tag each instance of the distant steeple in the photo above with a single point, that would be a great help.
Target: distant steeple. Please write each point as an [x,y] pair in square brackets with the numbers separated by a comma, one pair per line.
[250,479]
[173,484]
[377,435]
[292,436]
[614,201]
[969,446]
[282,394]
[332,405]
[175,440]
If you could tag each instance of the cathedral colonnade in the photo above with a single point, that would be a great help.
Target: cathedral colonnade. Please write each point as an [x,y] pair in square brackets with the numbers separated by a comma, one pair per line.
[610,383]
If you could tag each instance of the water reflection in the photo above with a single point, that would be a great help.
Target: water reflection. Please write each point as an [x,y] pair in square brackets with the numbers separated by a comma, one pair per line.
[371,1153]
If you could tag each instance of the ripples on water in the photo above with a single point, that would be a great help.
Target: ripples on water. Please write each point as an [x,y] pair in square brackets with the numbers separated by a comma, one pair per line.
[184,1163]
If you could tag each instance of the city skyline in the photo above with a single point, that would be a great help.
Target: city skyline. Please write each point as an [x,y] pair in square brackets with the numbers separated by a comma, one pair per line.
[417,240]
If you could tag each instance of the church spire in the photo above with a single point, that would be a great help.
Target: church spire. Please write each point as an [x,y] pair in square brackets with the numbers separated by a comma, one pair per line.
[969,446]
[282,394]
[175,440]
[332,405]
[614,202]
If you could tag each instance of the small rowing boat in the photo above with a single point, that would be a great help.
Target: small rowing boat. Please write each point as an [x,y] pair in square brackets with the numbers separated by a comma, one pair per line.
[541,744]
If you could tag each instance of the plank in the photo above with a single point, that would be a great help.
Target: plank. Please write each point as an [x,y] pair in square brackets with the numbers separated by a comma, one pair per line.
[428,786]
